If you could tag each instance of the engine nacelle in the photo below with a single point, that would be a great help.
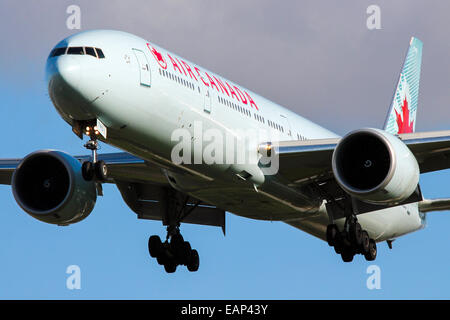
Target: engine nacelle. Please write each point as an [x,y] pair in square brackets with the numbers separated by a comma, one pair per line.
[49,186]
[375,167]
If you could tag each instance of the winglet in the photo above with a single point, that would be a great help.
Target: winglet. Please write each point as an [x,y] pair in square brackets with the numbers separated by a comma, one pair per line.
[401,117]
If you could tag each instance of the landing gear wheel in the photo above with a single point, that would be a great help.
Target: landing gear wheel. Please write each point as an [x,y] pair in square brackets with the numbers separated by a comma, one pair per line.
[194,261]
[365,240]
[177,245]
[170,267]
[372,253]
[87,170]
[347,254]
[186,252]
[154,246]
[338,245]
[162,258]
[356,234]
[175,251]
[332,232]
[101,170]
[338,248]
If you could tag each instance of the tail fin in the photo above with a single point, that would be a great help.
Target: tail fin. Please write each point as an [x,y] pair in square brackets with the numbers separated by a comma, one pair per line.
[401,117]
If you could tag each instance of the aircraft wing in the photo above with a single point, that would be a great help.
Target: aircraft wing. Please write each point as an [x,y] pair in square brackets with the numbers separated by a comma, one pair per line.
[304,161]
[121,166]
[299,160]
[7,167]
[431,149]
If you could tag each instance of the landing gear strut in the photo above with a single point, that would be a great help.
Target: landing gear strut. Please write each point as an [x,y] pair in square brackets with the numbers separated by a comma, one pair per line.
[173,252]
[96,169]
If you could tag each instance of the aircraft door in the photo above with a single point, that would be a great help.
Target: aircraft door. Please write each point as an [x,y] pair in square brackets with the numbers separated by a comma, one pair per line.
[286,125]
[144,68]
[208,100]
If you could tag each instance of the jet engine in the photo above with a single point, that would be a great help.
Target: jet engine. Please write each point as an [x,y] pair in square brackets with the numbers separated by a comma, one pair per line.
[49,186]
[375,167]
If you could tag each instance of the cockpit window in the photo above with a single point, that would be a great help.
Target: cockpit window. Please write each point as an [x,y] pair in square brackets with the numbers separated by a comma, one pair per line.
[90,51]
[75,50]
[100,53]
[95,52]
[58,52]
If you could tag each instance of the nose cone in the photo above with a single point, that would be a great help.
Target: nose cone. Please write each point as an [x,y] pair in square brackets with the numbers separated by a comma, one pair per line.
[63,72]
[63,75]
[69,70]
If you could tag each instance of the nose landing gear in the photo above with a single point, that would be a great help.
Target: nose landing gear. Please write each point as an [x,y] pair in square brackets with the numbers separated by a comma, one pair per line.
[93,169]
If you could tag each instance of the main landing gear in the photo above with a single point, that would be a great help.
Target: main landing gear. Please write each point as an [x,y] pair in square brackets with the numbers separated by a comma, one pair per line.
[352,240]
[173,253]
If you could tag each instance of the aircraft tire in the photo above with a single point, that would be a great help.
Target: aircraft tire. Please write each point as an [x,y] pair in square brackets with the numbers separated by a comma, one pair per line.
[194,261]
[101,170]
[332,232]
[154,246]
[371,255]
[170,266]
[347,254]
[365,241]
[356,234]
[87,171]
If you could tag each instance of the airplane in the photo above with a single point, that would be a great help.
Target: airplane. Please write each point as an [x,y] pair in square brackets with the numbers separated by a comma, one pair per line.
[196,145]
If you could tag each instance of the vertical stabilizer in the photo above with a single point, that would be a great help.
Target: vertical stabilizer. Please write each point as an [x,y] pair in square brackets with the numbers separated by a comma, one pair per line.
[401,117]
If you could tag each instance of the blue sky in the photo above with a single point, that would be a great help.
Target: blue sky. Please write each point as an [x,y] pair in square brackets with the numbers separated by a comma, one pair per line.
[256,260]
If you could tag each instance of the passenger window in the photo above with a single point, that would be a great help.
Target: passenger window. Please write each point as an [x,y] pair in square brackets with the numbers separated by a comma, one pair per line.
[75,50]
[100,53]
[90,51]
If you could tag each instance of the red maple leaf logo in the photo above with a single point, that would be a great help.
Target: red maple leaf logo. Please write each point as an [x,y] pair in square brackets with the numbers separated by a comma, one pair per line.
[403,122]
[158,56]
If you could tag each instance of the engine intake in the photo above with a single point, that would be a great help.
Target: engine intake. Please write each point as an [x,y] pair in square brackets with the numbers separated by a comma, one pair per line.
[375,167]
[49,186]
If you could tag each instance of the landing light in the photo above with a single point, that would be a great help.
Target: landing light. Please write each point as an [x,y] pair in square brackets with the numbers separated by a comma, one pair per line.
[265,149]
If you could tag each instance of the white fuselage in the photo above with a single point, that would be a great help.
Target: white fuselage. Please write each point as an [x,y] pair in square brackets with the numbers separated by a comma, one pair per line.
[143,94]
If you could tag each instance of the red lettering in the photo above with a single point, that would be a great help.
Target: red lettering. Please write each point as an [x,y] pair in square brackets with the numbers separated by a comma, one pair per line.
[181,66]
[222,86]
[211,81]
[175,65]
[189,70]
[252,103]
[200,76]
[233,94]
[243,98]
